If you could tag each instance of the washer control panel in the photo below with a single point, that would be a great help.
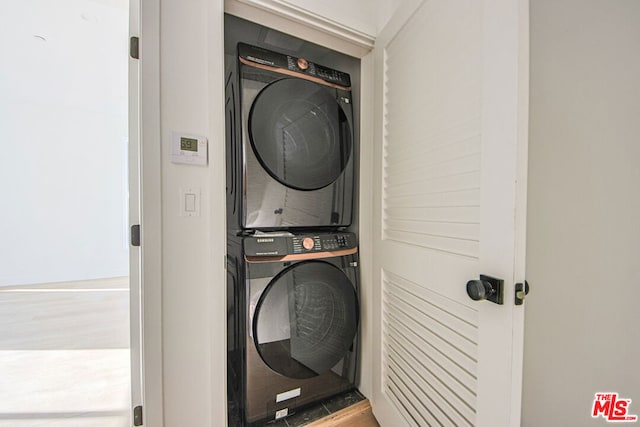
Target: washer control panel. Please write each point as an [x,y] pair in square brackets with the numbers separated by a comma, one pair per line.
[278,245]
[336,242]
[303,244]
[325,242]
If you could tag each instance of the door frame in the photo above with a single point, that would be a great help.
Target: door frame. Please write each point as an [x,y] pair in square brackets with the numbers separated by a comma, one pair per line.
[145,209]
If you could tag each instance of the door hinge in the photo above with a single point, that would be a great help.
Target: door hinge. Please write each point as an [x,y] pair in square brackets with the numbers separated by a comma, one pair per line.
[521,291]
[135,235]
[134,47]
[137,416]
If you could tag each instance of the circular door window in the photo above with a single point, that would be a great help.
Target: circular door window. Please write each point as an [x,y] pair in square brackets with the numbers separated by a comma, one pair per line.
[306,320]
[300,133]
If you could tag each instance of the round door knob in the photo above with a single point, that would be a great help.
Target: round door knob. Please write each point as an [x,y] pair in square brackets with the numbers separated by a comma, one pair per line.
[308,243]
[479,290]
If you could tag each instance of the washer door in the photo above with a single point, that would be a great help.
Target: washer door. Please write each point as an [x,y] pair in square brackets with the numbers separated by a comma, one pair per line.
[306,320]
[300,133]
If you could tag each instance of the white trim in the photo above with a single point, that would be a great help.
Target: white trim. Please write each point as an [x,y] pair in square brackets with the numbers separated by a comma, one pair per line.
[150,213]
[504,135]
[133,207]
[313,20]
[217,216]
[303,24]
[519,268]
[367,124]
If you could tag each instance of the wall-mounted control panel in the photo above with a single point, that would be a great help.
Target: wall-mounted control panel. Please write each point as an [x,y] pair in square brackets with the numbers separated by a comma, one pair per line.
[189,149]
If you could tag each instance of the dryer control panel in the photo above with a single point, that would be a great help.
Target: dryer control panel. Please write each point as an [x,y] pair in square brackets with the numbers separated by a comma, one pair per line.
[314,242]
[278,61]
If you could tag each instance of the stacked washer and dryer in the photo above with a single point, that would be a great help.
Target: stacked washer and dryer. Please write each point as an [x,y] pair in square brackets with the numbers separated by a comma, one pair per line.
[292,281]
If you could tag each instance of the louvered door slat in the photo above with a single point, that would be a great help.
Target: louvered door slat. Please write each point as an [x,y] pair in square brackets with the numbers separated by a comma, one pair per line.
[431,200]
[448,124]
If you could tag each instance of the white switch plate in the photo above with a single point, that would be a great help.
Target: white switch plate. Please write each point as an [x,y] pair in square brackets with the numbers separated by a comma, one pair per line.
[189,202]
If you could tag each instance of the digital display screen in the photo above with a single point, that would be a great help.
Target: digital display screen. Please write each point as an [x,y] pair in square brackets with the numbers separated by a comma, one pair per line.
[188,144]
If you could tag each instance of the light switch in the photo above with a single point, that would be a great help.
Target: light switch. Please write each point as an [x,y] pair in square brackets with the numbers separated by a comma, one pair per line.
[190,202]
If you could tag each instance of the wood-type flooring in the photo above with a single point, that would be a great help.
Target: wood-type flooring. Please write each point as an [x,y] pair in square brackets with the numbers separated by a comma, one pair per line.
[64,354]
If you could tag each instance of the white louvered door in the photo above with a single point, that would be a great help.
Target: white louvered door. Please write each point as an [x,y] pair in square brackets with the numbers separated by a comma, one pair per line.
[450,171]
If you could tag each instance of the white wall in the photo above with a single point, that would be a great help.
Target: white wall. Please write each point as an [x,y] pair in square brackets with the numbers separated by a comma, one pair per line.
[385,10]
[182,52]
[366,16]
[582,334]
[63,118]
[358,15]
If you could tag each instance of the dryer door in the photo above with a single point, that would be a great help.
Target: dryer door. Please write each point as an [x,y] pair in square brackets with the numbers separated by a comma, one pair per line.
[306,320]
[300,133]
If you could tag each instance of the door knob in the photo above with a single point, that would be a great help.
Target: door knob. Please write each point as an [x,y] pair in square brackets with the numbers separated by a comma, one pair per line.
[487,288]
[479,289]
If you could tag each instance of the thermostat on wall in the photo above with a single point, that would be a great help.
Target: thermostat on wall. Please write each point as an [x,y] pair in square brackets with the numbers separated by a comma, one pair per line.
[189,149]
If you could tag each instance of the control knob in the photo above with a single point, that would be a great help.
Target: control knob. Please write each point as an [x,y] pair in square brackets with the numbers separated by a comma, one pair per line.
[303,64]
[308,243]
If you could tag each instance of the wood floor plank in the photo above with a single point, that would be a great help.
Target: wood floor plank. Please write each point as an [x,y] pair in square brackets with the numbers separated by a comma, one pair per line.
[64,354]
[357,415]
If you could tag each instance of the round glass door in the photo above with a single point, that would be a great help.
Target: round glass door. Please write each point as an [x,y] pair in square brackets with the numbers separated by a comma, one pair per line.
[306,319]
[300,134]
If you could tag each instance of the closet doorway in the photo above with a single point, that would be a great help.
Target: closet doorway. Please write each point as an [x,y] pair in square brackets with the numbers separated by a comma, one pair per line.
[64,253]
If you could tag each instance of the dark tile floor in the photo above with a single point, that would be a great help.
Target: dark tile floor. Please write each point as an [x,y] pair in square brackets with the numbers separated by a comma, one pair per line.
[320,410]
